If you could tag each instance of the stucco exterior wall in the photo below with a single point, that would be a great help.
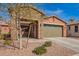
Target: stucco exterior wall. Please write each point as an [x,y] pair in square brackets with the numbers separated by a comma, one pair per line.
[56,21]
[5,29]
[72,32]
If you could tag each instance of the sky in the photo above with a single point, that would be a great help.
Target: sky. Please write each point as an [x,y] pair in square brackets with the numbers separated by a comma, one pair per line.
[64,11]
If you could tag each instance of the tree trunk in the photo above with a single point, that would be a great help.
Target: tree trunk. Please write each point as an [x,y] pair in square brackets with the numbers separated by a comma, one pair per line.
[28,35]
[20,39]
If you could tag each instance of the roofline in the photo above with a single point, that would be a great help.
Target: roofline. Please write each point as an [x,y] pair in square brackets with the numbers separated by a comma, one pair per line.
[4,25]
[57,18]
[73,24]
[32,8]
[38,10]
[35,9]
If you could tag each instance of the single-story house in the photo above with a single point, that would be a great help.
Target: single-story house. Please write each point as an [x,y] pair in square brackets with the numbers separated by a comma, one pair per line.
[73,29]
[42,26]
[4,28]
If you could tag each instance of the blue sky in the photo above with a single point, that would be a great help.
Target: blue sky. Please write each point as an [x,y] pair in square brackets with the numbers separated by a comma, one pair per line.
[64,11]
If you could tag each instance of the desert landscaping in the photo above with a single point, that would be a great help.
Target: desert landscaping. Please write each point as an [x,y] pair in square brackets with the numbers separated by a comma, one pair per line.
[28,31]
[54,50]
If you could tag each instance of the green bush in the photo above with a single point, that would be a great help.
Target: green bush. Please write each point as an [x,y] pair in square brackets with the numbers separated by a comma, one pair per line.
[7,42]
[39,50]
[47,44]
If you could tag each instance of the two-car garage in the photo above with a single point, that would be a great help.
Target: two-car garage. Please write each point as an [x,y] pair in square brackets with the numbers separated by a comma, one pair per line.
[52,30]
[54,27]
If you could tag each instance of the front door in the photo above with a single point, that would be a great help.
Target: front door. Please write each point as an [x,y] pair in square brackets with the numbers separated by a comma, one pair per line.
[33,31]
[25,30]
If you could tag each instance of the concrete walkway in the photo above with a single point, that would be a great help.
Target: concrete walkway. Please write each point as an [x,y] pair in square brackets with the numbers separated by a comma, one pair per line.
[71,43]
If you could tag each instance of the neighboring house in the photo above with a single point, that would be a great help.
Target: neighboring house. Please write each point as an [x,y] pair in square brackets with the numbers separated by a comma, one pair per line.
[73,29]
[41,28]
[4,28]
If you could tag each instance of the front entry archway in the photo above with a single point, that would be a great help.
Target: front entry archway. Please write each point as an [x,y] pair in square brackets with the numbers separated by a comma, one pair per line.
[25,30]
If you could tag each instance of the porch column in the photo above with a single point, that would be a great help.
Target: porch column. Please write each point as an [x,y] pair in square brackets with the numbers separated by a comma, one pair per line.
[65,31]
[41,27]
[20,38]
[39,30]
[34,30]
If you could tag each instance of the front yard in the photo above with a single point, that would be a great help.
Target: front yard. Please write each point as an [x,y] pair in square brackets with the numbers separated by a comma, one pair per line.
[54,50]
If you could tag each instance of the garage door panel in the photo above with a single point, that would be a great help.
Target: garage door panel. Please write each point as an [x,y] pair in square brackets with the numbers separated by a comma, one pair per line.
[52,31]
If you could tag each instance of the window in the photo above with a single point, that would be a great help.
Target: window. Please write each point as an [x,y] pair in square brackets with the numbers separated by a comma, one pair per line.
[76,28]
[69,27]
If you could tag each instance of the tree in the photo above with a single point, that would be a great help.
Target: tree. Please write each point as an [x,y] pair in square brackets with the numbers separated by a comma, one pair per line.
[4,8]
[18,20]
[8,9]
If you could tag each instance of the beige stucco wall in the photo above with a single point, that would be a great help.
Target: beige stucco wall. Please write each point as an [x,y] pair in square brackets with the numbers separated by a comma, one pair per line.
[56,21]
[5,30]
[72,32]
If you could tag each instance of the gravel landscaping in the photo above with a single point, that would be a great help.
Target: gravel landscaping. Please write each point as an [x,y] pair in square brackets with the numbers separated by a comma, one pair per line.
[54,50]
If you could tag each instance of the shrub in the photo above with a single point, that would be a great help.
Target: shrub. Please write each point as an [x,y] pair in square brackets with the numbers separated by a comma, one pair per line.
[47,44]
[39,50]
[7,42]
[7,36]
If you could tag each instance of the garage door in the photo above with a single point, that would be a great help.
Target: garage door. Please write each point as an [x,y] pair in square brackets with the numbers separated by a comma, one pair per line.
[52,31]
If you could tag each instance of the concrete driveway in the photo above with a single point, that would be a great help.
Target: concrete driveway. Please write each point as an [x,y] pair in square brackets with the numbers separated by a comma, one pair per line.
[68,42]
[71,43]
